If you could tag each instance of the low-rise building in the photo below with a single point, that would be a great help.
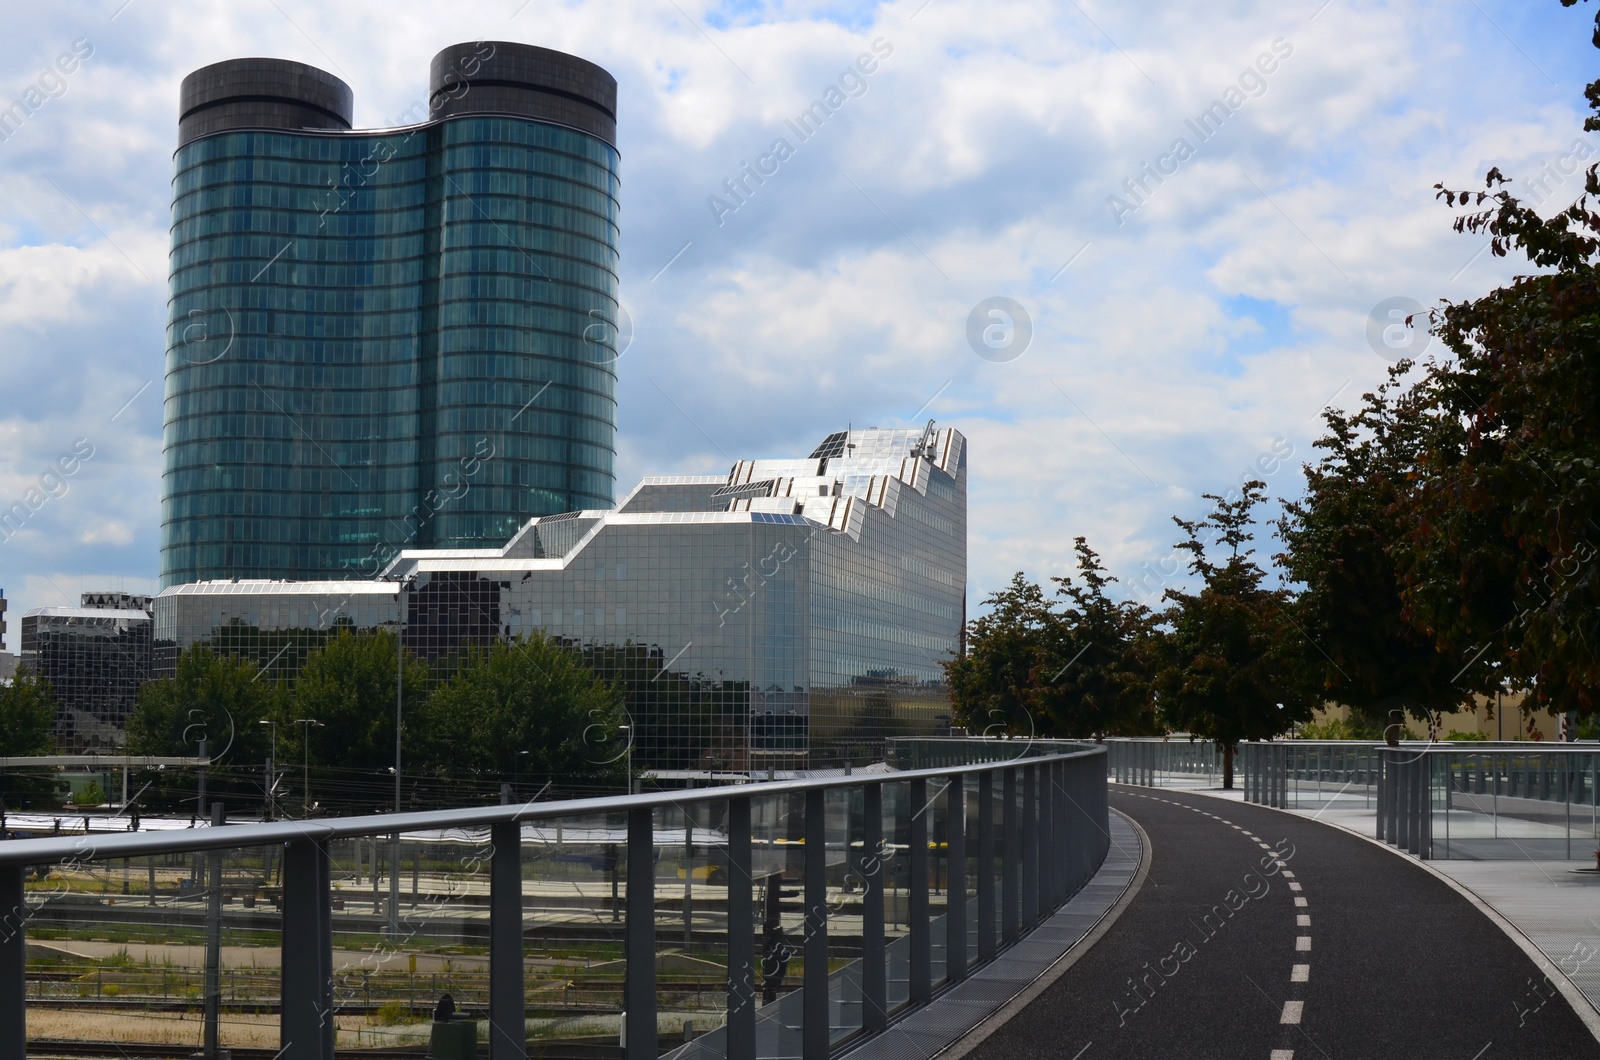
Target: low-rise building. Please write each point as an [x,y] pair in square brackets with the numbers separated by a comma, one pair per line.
[791,613]
[95,657]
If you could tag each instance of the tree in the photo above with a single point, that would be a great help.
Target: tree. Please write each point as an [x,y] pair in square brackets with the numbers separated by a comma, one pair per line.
[532,695]
[1505,524]
[27,727]
[1339,541]
[992,685]
[213,698]
[348,684]
[1096,659]
[1232,664]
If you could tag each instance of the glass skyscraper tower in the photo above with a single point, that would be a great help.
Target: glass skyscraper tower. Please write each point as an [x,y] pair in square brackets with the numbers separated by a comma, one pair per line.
[387,339]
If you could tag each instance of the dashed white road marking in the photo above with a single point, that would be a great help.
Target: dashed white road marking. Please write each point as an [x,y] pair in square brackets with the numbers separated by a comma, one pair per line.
[1282,1054]
[1302,944]
[1300,973]
[1301,902]
[1292,1011]
[1302,920]
[1288,875]
[1293,886]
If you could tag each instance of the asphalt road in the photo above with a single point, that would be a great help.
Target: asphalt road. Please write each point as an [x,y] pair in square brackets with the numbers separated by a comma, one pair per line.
[1262,936]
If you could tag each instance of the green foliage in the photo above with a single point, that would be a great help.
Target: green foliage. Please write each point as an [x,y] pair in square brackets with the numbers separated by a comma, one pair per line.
[1233,661]
[348,684]
[1338,540]
[27,716]
[992,685]
[1499,558]
[210,697]
[1097,659]
[1335,729]
[532,695]
[1458,735]
[91,794]
[1077,668]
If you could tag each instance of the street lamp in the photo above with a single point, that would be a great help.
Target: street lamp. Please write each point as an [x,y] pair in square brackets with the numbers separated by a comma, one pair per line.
[400,598]
[305,747]
[272,769]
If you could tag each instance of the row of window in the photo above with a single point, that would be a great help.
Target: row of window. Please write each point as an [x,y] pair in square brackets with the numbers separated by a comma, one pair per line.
[253,155]
[453,405]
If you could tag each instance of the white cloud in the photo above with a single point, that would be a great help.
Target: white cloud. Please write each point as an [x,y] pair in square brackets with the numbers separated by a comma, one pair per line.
[978,161]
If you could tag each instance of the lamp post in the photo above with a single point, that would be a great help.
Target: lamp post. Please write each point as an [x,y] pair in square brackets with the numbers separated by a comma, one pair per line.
[305,748]
[401,599]
[272,769]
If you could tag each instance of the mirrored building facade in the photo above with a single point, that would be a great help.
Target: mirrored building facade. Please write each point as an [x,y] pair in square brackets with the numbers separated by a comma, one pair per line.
[95,657]
[790,614]
[387,339]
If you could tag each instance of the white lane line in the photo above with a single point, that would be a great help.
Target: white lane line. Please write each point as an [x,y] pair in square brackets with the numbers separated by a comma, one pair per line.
[1288,1054]
[1264,846]
[1301,902]
[1302,920]
[1293,886]
[1300,973]
[1302,944]
[1288,875]
[1292,1011]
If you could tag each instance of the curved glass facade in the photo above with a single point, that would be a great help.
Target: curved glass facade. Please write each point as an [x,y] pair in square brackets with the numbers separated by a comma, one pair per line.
[385,341]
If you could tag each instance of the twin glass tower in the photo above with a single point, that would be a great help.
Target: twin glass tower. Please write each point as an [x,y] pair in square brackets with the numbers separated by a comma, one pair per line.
[387,339]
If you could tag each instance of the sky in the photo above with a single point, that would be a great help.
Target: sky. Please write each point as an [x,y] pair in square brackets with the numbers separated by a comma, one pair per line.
[1172,316]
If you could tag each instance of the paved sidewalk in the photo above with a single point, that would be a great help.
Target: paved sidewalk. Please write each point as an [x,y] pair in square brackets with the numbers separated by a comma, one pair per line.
[1556,908]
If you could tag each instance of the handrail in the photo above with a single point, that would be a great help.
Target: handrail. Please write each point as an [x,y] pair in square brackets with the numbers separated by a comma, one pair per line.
[103,846]
[1040,833]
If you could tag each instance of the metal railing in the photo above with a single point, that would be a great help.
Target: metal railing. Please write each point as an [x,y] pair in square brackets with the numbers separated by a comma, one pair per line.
[1471,800]
[1154,760]
[906,882]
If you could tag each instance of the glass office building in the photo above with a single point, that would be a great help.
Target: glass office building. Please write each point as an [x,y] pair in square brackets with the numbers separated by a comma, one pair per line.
[790,614]
[95,657]
[387,339]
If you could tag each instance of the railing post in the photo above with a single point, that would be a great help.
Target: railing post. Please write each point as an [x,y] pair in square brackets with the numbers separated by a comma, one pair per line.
[986,910]
[955,830]
[640,939]
[874,952]
[741,935]
[1011,859]
[13,965]
[1066,850]
[213,988]
[1030,845]
[1047,846]
[508,1020]
[815,1030]
[305,1021]
[921,945]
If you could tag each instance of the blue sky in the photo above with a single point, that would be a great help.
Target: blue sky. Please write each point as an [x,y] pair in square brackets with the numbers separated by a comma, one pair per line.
[1171,352]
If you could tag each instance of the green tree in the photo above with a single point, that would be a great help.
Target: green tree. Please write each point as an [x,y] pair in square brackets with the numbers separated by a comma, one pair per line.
[348,684]
[214,698]
[1232,665]
[1339,544]
[27,727]
[992,685]
[532,695]
[1094,677]
[1499,561]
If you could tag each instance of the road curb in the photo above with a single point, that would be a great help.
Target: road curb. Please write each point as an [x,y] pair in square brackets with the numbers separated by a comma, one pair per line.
[1581,1006]
[1047,978]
